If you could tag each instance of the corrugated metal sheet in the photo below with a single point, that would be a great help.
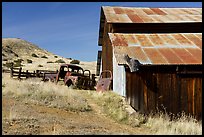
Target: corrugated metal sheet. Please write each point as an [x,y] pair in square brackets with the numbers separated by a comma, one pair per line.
[160,49]
[151,15]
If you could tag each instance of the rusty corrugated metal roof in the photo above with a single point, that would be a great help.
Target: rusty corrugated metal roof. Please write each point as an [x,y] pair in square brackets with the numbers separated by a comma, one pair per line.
[151,15]
[175,48]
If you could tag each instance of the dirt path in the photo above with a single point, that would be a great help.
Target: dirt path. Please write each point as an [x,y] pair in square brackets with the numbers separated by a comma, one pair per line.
[30,118]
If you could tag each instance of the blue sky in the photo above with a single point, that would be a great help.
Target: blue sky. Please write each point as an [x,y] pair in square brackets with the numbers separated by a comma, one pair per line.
[68,29]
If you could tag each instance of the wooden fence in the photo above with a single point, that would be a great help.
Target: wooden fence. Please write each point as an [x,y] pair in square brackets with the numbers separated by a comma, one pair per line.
[16,72]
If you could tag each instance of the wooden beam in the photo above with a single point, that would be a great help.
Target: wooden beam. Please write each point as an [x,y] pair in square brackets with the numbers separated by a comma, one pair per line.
[157,27]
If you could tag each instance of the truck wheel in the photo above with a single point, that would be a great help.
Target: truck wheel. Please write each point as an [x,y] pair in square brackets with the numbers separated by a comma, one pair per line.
[69,83]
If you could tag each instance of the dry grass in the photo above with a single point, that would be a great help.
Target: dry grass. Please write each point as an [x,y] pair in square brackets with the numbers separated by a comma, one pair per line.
[114,106]
[50,94]
[183,125]
[159,124]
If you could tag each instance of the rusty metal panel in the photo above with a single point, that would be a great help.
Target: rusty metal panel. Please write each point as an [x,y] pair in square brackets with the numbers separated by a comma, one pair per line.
[119,51]
[181,39]
[156,40]
[149,11]
[156,15]
[144,40]
[197,53]
[168,39]
[166,18]
[139,11]
[185,56]
[155,56]
[194,39]
[131,40]
[170,56]
[124,18]
[128,11]
[108,10]
[118,10]
[177,48]
[104,82]
[118,40]
[112,17]
[135,18]
[139,54]
[148,19]
[158,11]
[199,35]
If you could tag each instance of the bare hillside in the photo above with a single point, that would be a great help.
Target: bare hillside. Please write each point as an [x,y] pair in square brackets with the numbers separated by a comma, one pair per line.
[33,57]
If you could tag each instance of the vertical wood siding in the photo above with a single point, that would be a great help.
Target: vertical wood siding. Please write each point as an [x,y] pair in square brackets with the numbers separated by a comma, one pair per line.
[161,89]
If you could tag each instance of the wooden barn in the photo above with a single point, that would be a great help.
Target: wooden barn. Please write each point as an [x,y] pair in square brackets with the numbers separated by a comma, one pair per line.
[155,56]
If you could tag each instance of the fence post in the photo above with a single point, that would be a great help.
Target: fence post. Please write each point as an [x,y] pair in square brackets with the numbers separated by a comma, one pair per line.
[11,72]
[26,74]
[37,73]
[43,76]
[19,74]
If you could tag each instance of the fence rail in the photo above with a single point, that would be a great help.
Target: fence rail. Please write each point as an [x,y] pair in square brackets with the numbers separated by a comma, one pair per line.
[16,72]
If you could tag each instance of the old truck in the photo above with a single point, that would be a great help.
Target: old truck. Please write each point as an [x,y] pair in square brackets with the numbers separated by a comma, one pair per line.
[72,75]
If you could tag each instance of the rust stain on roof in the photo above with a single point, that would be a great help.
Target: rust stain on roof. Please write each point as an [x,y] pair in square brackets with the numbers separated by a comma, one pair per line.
[158,11]
[175,48]
[170,56]
[135,18]
[153,15]
[184,55]
[119,41]
[148,11]
[196,40]
[140,54]
[156,40]
[155,56]
[181,39]
[143,40]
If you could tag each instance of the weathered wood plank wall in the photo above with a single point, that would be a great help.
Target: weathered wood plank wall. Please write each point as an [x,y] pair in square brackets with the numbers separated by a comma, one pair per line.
[163,89]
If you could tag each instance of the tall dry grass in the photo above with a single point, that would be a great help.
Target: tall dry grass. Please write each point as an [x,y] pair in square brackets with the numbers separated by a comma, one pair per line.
[43,93]
[158,124]
[161,123]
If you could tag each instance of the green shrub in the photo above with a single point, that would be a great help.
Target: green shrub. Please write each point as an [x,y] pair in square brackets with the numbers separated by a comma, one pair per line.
[69,58]
[8,64]
[29,61]
[40,65]
[75,61]
[18,60]
[50,62]
[44,57]
[34,55]
[56,56]
[17,64]
[60,61]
